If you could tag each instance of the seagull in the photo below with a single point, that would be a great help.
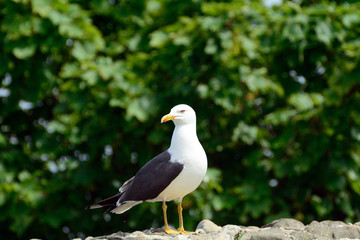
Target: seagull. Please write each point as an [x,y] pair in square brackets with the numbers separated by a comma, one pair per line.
[170,175]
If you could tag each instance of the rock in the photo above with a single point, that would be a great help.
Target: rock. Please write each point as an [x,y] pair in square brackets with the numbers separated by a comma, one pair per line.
[208,226]
[137,234]
[270,234]
[227,232]
[333,230]
[346,231]
[286,223]
[206,229]
[232,229]
[200,231]
[303,235]
[281,229]
[153,230]
[319,229]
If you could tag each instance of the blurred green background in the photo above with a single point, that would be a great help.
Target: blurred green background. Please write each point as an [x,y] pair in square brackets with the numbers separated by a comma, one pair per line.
[84,83]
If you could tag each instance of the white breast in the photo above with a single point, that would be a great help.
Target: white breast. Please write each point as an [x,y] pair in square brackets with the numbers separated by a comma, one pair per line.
[195,166]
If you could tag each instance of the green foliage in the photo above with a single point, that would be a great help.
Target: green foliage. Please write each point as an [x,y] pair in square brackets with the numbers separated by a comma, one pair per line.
[85,83]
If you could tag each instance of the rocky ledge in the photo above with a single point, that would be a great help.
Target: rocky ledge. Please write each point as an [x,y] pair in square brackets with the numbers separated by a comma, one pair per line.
[282,229]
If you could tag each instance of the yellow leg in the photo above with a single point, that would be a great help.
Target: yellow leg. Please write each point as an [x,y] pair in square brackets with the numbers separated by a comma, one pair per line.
[181,224]
[167,229]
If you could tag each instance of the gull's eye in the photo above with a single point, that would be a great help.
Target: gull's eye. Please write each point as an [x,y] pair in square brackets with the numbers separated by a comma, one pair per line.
[182,111]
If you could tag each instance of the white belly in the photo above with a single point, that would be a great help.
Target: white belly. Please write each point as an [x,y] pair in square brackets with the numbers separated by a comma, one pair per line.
[187,181]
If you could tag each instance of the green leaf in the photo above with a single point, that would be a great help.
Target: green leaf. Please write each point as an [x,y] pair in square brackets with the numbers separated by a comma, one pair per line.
[210,47]
[355,133]
[71,31]
[203,90]
[256,80]
[57,127]
[84,51]
[211,23]
[349,20]
[42,7]
[295,28]
[158,39]
[25,51]
[182,41]
[141,108]
[281,116]
[306,101]
[114,102]
[107,69]
[70,69]
[91,77]
[354,179]
[3,140]
[2,198]
[59,18]
[301,101]
[248,134]
[218,203]
[324,32]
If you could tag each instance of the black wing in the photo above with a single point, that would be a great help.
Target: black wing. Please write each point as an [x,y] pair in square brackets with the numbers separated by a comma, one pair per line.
[152,178]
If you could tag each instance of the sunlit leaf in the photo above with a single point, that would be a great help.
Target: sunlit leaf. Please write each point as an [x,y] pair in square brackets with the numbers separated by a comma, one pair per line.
[323,32]
[24,52]
[158,39]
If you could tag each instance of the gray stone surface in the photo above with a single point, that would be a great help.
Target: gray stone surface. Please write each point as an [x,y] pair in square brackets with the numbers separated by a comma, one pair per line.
[304,236]
[281,229]
[270,234]
[287,223]
[208,226]
[334,230]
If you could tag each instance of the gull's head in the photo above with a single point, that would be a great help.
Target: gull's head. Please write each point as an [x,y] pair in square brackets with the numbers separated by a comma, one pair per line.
[181,114]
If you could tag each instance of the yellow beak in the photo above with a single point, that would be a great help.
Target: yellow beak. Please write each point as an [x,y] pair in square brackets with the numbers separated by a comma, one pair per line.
[167,117]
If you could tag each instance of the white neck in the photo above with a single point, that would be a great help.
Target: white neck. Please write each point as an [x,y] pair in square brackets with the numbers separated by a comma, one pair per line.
[184,136]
